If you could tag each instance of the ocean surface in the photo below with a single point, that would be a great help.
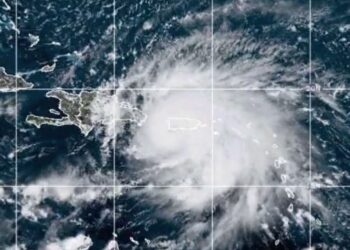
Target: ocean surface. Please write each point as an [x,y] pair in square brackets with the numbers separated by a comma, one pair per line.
[261,155]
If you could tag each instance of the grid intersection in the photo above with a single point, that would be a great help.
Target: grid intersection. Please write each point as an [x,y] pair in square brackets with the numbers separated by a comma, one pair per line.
[310,186]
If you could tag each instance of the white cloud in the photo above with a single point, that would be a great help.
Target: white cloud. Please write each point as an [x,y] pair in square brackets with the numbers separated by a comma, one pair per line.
[79,242]
[257,139]
[34,195]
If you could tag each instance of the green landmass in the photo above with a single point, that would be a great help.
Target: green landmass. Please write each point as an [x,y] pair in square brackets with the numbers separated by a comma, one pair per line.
[76,107]
[11,83]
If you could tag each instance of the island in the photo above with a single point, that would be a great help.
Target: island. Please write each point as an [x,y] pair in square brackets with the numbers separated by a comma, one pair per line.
[76,107]
[11,83]
[84,110]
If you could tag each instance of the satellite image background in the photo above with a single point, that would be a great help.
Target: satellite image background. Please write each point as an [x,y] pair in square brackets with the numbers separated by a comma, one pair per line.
[174,124]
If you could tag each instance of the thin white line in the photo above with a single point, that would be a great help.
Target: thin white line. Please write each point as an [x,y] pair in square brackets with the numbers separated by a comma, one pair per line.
[212,125]
[114,128]
[335,89]
[310,123]
[165,89]
[67,89]
[215,89]
[325,187]
[16,127]
[212,89]
[260,186]
[172,186]
[315,187]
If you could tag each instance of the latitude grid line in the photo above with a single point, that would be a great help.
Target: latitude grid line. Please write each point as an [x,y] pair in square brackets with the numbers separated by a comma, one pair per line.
[183,89]
[176,186]
[212,89]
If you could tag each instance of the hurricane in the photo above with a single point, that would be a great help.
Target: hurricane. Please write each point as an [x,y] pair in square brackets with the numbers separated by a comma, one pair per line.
[174,125]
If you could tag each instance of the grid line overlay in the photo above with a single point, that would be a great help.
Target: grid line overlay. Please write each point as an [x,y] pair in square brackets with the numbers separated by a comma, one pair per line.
[212,124]
[118,89]
[16,127]
[310,125]
[212,89]
[114,129]
[175,186]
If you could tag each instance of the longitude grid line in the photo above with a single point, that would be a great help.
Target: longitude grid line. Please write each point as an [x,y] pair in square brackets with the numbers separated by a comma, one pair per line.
[283,89]
[212,124]
[212,89]
[16,186]
[16,127]
[310,124]
[114,128]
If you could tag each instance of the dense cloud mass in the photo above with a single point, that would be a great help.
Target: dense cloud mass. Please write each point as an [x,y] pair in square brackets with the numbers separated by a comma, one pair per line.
[199,127]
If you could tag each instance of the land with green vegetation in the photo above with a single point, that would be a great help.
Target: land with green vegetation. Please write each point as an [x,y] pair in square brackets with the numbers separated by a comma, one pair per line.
[11,83]
[75,107]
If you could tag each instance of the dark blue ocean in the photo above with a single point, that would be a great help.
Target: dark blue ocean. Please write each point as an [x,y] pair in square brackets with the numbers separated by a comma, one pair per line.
[88,51]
